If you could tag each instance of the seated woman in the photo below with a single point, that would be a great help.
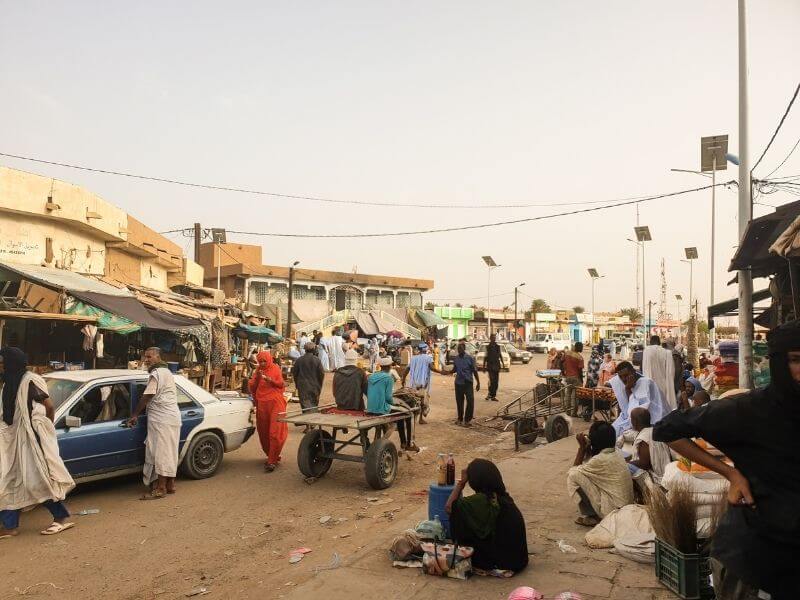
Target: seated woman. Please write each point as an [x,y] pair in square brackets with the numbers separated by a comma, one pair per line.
[488,520]
[599,480]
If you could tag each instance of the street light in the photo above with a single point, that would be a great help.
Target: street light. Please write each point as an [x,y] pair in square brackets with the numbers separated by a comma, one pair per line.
[643,235]
[515,309]
[594,275]
[289,307]
[491,264]
[691,256]
[637,268]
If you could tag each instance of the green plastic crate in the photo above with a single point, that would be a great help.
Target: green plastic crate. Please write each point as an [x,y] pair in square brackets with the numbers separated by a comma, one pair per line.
[687,575]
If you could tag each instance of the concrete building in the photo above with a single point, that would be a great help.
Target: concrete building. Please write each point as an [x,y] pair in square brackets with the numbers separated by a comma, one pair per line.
[47,222]
[315,294]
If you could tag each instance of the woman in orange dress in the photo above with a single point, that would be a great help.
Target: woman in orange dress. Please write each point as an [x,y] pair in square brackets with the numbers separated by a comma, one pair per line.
[266,388]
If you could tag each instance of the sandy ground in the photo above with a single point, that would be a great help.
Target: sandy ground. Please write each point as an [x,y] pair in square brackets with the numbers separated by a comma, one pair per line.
[232,534]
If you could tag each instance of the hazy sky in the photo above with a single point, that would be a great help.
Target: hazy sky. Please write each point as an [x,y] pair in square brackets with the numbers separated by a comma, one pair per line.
[441,102]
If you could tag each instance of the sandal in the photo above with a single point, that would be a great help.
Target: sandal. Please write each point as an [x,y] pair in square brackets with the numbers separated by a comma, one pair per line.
[587,521]
[269,468]
[56,528]
[8,534]
[153,496]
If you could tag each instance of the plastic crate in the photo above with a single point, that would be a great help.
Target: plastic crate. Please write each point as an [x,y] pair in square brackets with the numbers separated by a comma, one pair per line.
[687,575]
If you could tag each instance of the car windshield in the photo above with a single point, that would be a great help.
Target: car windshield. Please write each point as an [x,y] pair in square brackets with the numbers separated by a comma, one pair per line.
[60,390]
[540,337]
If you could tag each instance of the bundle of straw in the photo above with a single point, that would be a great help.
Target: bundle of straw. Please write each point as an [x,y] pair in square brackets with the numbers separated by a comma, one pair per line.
[674,517]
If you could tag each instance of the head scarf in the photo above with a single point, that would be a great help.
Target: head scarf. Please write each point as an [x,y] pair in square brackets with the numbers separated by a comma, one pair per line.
[695,383]
[15,363]
[266,356]
[484,477]
[783,388]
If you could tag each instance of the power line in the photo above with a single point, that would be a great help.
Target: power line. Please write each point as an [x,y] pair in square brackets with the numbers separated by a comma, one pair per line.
[785,159]
[780,124]
[225,188]
[469,227]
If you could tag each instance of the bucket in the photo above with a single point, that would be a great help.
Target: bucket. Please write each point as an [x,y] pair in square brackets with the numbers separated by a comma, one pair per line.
[173,366]
[437,498]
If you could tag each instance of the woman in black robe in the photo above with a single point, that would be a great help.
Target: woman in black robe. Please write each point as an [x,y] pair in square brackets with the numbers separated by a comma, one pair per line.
[488,521]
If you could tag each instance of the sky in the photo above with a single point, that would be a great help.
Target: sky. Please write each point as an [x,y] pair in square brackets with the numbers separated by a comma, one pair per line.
[447,103]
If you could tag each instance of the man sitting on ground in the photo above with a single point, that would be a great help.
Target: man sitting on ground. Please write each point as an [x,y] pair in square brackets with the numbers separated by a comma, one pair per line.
[648,455]
[349,384]
[599,481]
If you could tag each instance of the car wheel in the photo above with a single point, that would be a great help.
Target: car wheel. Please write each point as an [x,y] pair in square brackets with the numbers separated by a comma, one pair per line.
[555,428]
[380,464]
[525,362]
[204,456]
[309,455]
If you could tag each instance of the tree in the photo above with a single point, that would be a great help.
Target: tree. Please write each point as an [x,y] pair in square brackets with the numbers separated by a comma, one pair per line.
[633,313]
[538,305]
[429,306]
[458,305]
[578,309]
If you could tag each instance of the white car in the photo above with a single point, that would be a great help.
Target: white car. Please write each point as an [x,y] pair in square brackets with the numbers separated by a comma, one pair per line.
[542,342]
[91,408]
[482,354]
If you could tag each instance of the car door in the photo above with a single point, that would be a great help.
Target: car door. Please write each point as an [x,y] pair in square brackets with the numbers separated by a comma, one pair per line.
[100,445]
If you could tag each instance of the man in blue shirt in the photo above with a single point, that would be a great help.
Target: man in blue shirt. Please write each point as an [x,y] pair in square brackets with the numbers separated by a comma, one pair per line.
[380,401]
[464,368]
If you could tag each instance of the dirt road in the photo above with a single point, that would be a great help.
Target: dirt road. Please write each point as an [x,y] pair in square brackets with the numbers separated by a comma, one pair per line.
[232,534]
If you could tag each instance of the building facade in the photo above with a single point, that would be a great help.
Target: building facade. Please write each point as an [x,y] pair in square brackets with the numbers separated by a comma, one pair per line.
[52,223]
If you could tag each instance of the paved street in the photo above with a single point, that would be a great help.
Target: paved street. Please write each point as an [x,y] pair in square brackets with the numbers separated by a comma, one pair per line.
[232,534]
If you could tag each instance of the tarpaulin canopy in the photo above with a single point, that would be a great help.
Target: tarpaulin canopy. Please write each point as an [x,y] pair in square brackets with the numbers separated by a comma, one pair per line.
[430,319]
[105,320]
[63,279]
[755,251]
[366,323]
[131,309]
[788,243]
[258,334]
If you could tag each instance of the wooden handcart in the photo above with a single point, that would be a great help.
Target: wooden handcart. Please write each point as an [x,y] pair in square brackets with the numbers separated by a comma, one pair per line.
[332,431]
[597,400]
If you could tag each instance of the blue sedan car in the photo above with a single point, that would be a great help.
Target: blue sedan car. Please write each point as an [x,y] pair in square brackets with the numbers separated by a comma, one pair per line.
[92,406]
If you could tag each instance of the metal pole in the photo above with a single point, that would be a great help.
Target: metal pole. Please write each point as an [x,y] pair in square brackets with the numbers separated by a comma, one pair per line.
[644,295]
[288,333]
[637,263]
[515,314]
[592,338]
[691,284]
[745,214]
[219,266]
[488,299]
[198,232]
[713,239]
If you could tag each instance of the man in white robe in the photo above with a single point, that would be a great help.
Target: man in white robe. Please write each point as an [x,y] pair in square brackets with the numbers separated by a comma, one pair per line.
[633,390]
[160,398]
[659,365]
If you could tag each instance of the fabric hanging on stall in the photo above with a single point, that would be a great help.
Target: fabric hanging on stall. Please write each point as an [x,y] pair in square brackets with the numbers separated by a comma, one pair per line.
[191,355]
[220,347]
[201,336]
[89,332]
[100,346]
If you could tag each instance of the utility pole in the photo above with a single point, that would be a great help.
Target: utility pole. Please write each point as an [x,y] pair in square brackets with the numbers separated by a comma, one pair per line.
[288,333]
[649,315]
[198,233]
[745,214]
[516,340]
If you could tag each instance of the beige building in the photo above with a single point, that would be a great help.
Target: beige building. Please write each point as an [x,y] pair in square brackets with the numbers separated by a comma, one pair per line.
[47,222]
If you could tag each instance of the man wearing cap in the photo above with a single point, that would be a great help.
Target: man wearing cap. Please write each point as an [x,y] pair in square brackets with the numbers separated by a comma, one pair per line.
[349,383]
[380,401]
[754,551]
[419,379]
[308,376]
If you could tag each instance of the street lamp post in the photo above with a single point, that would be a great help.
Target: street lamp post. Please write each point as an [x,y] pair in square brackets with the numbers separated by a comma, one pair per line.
[515,311]
[643,235]
[491,264]
[678,297]
[291,293]
[691,256]
[594,275]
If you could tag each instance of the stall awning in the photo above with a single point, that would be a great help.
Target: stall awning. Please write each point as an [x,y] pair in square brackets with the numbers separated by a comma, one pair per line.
[366,323]
[130,308]
[430,318]
[63,279]
[40,316]
[105,320]
[258,334]
[754,251]
[731,307]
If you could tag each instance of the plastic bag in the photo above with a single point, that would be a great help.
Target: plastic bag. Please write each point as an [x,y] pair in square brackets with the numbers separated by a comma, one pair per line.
[447,560]
[405,546]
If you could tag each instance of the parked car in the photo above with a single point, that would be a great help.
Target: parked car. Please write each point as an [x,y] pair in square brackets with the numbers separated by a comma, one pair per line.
[482,354]
[542,342]
[453,351]
[91,407]
[517,355]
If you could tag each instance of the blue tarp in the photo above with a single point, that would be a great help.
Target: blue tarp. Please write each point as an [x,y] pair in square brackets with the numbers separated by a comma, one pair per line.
[259,334]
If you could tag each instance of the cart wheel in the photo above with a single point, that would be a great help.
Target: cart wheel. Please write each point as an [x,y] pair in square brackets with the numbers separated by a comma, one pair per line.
[587,413]
[309,454]
[555,428]
[380,464]
[528,430]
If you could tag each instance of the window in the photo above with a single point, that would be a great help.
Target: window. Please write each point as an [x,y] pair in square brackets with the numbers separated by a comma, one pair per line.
[103,403]
[61,389]
[184,399]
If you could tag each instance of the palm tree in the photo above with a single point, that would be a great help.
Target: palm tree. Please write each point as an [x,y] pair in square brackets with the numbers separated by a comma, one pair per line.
[633,313]
[578,309]
[538,306]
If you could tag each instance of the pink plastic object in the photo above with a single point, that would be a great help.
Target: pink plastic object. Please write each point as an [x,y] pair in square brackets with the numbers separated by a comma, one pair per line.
[525,593]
